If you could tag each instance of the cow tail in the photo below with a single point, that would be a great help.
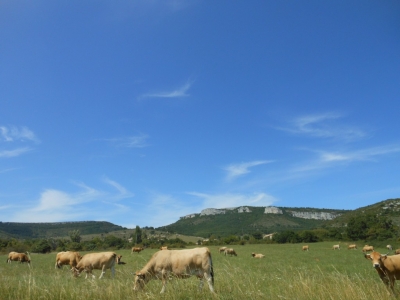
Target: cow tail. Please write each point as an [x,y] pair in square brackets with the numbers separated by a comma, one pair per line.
[211,269]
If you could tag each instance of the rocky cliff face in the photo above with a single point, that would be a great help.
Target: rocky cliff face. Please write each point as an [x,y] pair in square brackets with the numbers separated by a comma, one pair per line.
[313,215]
[267,210]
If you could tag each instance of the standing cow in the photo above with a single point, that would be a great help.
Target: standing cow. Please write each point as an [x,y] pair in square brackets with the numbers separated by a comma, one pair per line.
[222,249]
[230,252]
[352,246]
[367,248]
[21,257]
[98,261]
[179,263]
[67,258]
[137,249]
[388,267]
[336,247]
[305,248]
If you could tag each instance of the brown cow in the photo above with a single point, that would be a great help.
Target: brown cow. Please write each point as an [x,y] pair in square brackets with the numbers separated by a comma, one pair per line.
[367,248]
[179,263]
[388,267]
[222,249]
[137,249]
[397,251]
[305,248]
[352,246]
[21,257]
[229,251]
[67,258]
[164,248]
[257,255]
[99,261]
[336,247]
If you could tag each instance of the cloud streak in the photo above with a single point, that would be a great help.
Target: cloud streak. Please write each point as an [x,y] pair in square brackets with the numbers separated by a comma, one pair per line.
[323,126]
[176,93]
[14,152]
[13,133]
[136,141]
[236,170]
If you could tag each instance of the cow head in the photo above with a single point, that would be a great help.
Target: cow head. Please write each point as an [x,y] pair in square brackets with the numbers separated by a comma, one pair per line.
[140,281]
[76,272]
[253,254]
[376,258]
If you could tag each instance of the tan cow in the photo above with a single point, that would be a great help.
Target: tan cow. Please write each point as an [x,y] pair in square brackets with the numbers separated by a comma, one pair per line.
[98,261]
[388,267]
[305,248]
[164,248]
[67,258]
[336,247]
[222,249]
[137,249]
[397,251]
[229,251]
[21,257]
[178,263]
[257,255]
[367,248]
[352,246]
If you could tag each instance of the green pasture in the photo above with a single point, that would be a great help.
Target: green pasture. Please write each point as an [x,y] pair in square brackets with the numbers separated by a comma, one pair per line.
[286,272]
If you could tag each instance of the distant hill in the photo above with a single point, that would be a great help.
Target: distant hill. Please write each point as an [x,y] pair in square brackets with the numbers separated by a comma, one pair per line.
[55,230]
[249,219]
[389,208]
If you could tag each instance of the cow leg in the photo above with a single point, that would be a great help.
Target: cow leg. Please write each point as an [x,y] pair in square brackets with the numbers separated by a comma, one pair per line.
[209,281]
[113,271]
[102,272]
[164,278]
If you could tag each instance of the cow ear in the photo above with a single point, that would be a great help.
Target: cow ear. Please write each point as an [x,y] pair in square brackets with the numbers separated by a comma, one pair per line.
[383,257]
[367,256]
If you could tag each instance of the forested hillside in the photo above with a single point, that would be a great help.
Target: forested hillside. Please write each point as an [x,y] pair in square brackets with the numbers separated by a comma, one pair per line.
[54,230]
[231,222]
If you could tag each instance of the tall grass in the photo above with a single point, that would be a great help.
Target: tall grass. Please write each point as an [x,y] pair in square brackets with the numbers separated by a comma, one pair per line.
[285,273]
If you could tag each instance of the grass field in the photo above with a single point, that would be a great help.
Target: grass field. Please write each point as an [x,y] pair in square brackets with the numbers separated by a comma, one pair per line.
[285,273]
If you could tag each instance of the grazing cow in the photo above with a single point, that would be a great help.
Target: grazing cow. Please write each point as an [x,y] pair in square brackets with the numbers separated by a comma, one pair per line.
[179,263]
[305,248]
[397,251]
[368,248]
[137,249]
[164,248]
[118,260]
[230,251]
[352,246]
[388,267]
[389,247]
[222,249]
[21,257]
[67,258]
[336,247]
[257,255]
[99,261]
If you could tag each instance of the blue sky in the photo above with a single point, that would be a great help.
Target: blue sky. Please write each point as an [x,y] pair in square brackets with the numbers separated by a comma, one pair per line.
[140,112]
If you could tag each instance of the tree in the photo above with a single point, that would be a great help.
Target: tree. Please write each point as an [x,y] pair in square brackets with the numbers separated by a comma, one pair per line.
[75,236]
[137,235]
[370,227]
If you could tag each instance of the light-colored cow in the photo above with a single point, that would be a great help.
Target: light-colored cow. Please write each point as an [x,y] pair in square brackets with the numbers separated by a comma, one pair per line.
[388,267]
[352,246]
[305,248]
[178,263]
[67,258]
[137,249]
[367,248]
[336,247]
[21,257]
[389,247]
[222,249]
[98,261]
[257,255]
[164,248]
[230,252]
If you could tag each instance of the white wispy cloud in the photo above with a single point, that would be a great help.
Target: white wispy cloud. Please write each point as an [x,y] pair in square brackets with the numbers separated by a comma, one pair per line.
[14,152]
[122,191]
[324,126]
[236,170]
[135,141]
[14,133]
[176,93]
